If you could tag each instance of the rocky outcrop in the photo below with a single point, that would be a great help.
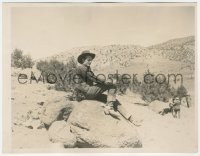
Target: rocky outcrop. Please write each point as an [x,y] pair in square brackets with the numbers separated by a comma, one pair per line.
[54,109]
[60,132]
[89,127]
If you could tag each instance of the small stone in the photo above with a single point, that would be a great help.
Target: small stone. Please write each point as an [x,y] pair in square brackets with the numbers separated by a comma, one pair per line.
[40,103]
[30,127]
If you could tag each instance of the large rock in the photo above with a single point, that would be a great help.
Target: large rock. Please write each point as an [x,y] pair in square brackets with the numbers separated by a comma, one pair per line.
[59,132]
[93,128]
[158,106]
[53,110]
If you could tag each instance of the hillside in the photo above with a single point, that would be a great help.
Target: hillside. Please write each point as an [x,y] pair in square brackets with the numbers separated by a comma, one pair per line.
[120,56]
[117,55]
[181,49]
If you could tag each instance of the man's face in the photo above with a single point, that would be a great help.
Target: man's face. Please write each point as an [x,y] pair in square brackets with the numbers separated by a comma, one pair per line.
[87,61]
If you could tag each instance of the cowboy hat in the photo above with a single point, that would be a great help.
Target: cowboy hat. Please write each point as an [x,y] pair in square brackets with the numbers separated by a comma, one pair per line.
[84,54]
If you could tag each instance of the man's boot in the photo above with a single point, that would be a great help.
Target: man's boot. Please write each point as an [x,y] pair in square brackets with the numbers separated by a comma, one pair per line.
[134,121]
[109,110]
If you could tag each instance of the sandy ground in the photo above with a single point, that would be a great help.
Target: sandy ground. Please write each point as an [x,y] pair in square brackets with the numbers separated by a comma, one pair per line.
[165,133]
[159,133]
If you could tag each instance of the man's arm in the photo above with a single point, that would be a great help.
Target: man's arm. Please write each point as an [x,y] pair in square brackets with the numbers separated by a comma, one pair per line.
[94,78]
[88,75]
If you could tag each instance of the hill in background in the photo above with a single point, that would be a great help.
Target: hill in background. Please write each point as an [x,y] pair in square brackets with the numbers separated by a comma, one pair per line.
[180,50]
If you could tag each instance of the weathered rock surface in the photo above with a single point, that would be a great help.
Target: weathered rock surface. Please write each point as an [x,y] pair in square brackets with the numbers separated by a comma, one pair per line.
[93,129]
[54,108]
[60,132]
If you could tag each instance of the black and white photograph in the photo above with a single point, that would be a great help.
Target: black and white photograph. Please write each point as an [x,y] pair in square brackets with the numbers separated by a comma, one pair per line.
[100,76]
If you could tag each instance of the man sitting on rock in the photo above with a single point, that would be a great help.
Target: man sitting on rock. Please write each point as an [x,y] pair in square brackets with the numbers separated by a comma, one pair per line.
[92,87]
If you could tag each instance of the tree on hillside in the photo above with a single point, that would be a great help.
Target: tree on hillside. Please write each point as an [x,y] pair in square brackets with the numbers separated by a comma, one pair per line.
[19,60]
[16,58]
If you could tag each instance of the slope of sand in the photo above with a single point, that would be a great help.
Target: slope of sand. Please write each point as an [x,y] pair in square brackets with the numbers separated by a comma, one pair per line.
[165,133]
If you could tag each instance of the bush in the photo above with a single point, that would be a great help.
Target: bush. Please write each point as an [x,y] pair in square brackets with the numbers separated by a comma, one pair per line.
[135,86]
[16,58]
[27,62]
[122,85]
[19,60]
[42,65]
[181,91]
[127,83]
[156,91]
[63,73]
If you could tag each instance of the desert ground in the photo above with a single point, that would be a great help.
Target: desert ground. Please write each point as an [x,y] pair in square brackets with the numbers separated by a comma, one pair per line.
[158,133]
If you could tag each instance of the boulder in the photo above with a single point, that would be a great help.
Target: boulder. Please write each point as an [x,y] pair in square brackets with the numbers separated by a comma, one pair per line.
[53,110]
[158,106]
[59,132]
[94,129]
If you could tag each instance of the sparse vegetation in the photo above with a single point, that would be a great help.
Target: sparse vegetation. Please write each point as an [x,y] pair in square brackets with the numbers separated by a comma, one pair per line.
[135,86]
[123,55]
[63,73]
[19,60]
[156,91]
[181,91]
[181,49]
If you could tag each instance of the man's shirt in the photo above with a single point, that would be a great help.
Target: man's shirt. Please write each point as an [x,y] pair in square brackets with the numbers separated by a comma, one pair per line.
[85,78]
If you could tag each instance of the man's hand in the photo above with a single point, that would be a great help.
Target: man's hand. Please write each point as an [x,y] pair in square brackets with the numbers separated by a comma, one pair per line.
[102,79]
[109,82]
